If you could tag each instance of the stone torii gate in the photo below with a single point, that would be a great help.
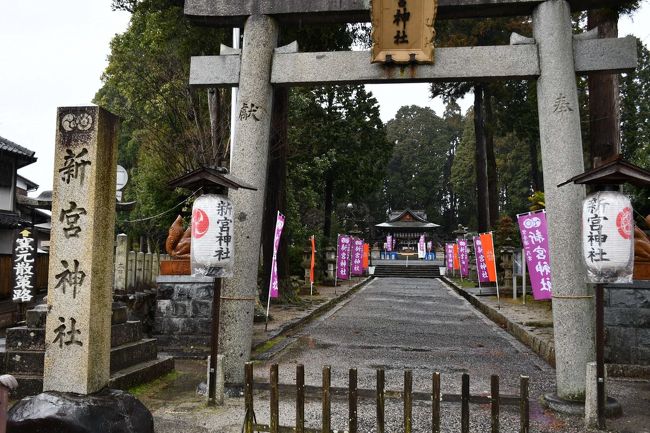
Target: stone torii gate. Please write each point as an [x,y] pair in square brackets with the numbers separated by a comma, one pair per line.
[552,57]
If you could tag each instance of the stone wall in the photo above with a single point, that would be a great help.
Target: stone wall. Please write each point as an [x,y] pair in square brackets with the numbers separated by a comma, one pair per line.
[627,323]
[183,314]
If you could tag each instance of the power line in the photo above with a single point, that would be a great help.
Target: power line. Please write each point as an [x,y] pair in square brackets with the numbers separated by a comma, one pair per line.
[161,213]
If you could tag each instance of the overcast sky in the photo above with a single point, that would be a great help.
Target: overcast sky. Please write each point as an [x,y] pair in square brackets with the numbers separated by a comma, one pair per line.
[52,53]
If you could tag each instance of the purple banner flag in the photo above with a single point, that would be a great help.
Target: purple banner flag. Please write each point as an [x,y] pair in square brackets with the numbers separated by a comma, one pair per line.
[463,256]
[389,243]
[357,257]
[449,256]
[274,292]
[534,237]
[343,258]
[422,248]
[481,265]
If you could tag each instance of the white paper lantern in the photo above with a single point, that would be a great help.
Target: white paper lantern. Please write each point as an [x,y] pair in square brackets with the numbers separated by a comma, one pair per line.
[608,237]
[212,251]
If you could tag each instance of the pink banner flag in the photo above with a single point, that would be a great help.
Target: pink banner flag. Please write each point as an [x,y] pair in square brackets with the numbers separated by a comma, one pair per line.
[449,256]
[481,264]
[274,292]
[357,257]
[389,243]
[463,257]
[534,237]
[343,257]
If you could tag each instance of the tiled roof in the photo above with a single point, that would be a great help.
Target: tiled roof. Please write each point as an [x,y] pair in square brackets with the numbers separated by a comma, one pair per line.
[419,215]
[22,153]
[11,220]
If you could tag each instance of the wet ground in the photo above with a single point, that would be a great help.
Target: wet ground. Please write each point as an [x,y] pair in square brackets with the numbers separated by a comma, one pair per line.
[423,326]
[395,324]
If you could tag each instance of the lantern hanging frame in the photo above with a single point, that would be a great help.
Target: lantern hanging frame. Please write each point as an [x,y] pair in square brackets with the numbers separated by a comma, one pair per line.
[607,177]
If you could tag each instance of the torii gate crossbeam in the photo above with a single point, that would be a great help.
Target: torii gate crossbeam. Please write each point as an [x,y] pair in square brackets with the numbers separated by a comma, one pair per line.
[458,64]
[230,13]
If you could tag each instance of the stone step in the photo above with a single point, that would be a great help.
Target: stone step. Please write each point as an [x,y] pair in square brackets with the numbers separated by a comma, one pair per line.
[122,379]
[406,274]
[27,385]
[23,338]
[184,345]
[123,356]
[141,373]
[25,362]
[130,354]
[127,332]
[422,271]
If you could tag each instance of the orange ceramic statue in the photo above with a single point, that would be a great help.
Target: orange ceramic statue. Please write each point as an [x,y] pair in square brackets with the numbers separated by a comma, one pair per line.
[642,243]
[179,240]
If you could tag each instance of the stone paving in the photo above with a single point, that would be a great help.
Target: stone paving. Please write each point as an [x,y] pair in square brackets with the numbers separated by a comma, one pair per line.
[418,324]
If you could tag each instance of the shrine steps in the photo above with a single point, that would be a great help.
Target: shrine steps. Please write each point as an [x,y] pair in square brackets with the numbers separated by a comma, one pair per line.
[141,373]
[133,360]
[411,271]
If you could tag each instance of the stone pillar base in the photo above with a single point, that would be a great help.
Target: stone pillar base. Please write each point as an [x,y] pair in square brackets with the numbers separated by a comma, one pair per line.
[613,408]
[58,412]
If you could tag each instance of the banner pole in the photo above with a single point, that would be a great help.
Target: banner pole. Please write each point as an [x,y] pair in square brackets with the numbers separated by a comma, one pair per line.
[523,273]
[350,261]
[514,276]
[273,268]
[478,270]
[496,274]
[311,267]
[336,268]
[268,306]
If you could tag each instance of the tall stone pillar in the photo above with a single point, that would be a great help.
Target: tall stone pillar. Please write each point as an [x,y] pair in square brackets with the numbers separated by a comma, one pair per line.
[562,158]
[78,328]
[249,163]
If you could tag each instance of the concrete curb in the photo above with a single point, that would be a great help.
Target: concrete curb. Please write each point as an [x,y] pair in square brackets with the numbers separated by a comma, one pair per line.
[541,347]
[296,323]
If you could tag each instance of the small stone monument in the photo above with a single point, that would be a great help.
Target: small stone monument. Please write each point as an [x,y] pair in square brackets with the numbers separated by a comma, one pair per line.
[121,271]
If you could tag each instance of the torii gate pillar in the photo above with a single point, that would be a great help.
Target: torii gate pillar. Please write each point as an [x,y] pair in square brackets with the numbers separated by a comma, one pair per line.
[562,158]
[249,162]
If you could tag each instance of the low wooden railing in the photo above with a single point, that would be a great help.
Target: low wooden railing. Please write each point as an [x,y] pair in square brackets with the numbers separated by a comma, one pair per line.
[327,392]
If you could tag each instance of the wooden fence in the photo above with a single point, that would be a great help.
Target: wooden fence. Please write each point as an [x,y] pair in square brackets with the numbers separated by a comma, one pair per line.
[326,392]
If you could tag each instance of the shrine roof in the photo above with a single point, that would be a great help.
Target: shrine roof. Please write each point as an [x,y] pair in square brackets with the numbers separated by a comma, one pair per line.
[614,172]
[228,13]
[408,214]
[206,177]
[407,225]
[407,219]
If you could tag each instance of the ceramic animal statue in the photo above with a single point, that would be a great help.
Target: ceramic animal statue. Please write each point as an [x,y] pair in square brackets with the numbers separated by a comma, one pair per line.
[642,243]
[178,241]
